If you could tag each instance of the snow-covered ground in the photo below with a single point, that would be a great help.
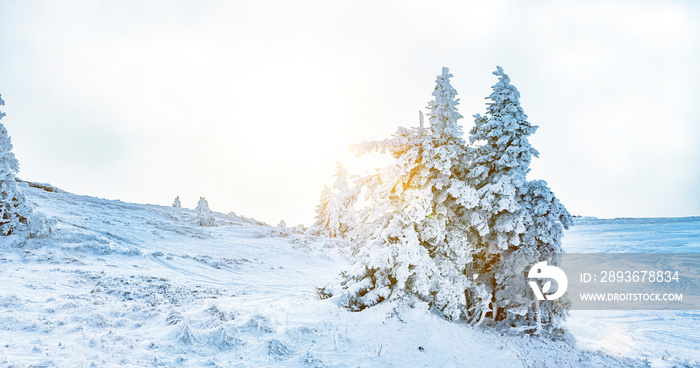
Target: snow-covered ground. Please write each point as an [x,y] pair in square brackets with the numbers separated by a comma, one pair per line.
[132,285]
[657,336]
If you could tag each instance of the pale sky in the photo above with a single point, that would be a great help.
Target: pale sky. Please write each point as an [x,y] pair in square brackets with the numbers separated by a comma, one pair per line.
[251,103]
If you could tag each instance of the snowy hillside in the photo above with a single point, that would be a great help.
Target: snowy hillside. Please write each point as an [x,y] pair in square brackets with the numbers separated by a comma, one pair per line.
[653,335]
[132,285]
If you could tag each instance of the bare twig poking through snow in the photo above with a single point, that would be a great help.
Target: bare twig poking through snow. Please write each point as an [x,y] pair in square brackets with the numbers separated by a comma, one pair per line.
[278,349]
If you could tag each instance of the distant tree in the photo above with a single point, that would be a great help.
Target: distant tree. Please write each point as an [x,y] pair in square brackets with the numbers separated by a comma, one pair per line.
[335,214]
[516,223]
[413,242]
[204,215]
[323,211]
[15,211]
[176,202]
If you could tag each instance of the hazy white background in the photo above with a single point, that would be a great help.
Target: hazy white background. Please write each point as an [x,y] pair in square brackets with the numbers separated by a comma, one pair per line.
[251,103]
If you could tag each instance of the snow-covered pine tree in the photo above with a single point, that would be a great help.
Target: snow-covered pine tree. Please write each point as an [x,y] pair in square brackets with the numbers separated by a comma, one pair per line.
[323,210]
[204,215]
[15,211]
[344,203]
[545,219]
[176,202]
[335,214]
[516,223]
[413,244]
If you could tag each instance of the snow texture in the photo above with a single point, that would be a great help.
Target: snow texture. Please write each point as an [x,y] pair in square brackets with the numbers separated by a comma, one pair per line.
[128,285]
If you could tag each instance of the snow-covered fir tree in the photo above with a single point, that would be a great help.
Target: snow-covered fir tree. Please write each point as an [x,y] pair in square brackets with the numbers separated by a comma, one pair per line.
[323,209]
[176,202]
[15,211]
[413,243]
[204,215]
[335,214]
[516,223]
[545,220]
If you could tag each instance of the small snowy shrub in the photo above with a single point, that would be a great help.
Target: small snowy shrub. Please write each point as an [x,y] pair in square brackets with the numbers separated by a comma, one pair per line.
[204,215]
[278,350]
[185,334]
[40,225]
[335,214]
[176,202]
